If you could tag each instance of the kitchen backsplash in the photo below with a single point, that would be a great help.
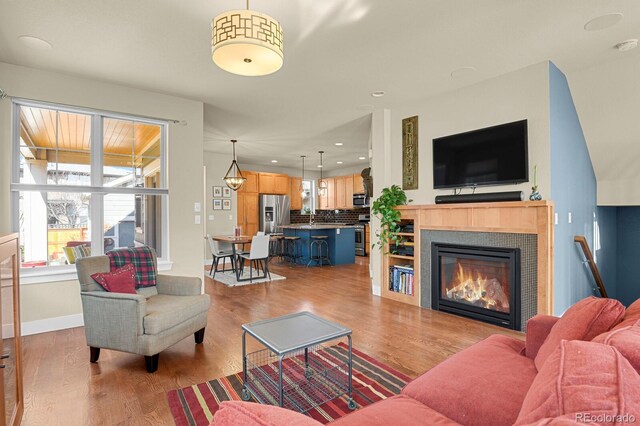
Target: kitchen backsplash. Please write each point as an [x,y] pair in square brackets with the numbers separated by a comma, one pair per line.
[329,216]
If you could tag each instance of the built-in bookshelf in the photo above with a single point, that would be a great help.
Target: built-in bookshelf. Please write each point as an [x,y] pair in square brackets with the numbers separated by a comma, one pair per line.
[401,260]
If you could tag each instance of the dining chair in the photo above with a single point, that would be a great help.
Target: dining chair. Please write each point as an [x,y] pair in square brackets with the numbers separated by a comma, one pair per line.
[220,250]
[258,256]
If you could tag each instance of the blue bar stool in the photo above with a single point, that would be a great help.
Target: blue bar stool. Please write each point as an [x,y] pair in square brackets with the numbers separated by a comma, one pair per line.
[319,242]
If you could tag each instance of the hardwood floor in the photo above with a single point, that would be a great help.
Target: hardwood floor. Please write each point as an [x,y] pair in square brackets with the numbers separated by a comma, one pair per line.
[62,387]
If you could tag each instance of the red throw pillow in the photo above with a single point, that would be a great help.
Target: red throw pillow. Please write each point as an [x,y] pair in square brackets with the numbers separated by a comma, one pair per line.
[122,280]
[585,382]
[583,321]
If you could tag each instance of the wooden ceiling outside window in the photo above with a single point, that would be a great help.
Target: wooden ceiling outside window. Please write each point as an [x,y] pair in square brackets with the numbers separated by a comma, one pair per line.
[121,137]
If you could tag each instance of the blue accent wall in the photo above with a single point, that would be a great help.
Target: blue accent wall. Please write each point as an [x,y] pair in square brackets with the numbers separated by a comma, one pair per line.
[628,254]
[573,189]
[605,248]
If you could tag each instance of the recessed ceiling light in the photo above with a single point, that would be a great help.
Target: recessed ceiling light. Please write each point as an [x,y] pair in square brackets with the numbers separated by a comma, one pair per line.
[603,22]
[338,162]
[378,94]
[339,144]
[462,72]
[35,42]
[632,43]
[362,158]
[319,166]
[274,161]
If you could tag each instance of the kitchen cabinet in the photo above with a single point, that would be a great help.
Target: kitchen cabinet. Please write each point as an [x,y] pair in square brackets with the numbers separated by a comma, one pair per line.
[295,193]
[344,192]
[328,200]
[12,400]
[281,185]
[248,216]
[367,239]
[358,184]
[272,183]
[251,184]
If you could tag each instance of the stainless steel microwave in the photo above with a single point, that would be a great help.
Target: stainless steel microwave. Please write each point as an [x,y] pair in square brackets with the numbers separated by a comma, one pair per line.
[360,200]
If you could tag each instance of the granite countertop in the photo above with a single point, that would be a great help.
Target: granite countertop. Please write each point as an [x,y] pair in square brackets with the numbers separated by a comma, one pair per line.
[319,226]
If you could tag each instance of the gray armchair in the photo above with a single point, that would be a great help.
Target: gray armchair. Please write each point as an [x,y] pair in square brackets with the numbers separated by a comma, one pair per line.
[145,323]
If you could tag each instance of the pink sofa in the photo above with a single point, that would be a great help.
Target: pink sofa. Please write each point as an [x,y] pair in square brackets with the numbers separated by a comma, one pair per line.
[581,368]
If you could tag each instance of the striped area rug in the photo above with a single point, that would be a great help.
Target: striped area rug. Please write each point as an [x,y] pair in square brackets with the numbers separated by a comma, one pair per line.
[372,381]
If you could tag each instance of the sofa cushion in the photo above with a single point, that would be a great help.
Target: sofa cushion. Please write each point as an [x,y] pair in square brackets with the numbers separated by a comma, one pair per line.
[483,385]
[631,315]
[397,410]
[583,321]
[164,311]
[251,414]
[582,379]
[122,280]
[626,340]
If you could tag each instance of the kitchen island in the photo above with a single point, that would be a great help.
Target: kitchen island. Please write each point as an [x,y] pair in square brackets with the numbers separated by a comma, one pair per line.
[340,238]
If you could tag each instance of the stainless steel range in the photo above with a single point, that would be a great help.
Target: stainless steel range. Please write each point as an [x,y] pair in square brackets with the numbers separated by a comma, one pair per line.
[361,239]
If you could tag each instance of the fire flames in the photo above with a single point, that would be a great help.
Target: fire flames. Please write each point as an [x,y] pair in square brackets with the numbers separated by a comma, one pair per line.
[479,291]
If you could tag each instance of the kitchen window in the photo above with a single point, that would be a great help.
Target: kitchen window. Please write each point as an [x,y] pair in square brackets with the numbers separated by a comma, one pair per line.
[85,182]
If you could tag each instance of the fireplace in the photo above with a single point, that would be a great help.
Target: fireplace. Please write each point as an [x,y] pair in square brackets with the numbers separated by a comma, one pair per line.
[477,282]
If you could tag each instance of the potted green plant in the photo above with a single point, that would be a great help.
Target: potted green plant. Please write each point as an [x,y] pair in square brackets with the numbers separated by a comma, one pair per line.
[384,208]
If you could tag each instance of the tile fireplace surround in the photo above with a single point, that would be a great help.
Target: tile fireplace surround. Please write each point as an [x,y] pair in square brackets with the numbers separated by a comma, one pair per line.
[527,225]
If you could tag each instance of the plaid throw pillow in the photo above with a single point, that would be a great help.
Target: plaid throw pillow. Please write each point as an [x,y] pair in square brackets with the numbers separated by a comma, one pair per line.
[142,260]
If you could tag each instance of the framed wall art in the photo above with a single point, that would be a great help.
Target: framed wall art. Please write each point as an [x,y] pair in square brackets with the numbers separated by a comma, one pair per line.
[217,204]
[217,191]
[226,192]
[410,153]
[226,204]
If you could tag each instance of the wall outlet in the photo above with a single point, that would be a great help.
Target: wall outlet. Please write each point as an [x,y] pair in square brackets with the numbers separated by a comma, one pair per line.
[338,231]
[230,217]
[569,217]
[197,219]
[556,218]
[212,217]
[196,207]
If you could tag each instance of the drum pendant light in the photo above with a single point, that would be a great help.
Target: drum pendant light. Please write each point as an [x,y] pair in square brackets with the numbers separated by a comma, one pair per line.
[246,42]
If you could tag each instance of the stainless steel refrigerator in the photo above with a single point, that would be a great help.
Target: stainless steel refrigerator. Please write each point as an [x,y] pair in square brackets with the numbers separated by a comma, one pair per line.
[274,213]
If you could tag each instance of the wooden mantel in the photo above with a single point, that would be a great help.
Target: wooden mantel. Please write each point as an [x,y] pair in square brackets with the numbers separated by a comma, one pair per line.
[522,217]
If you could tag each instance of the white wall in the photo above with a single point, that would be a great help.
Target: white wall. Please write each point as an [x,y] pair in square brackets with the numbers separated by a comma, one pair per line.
[309,172]
[522,94]
[185,168]
[352,170]
[216,166]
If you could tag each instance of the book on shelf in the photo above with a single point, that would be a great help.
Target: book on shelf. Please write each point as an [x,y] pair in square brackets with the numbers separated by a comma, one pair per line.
[401,279]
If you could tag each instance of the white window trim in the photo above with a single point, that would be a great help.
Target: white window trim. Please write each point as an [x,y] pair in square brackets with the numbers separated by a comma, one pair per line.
[67,272]
[52,274]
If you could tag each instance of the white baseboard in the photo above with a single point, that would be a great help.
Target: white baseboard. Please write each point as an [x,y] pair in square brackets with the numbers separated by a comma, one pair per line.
[52,324]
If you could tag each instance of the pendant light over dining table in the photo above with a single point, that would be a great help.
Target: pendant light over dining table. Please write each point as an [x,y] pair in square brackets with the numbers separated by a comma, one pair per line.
[246,42]
[234,178]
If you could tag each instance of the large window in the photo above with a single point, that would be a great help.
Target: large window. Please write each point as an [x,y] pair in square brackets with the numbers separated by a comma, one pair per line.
[85,182]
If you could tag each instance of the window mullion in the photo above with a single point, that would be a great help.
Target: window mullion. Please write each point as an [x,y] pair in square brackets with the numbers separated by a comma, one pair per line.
[97,199]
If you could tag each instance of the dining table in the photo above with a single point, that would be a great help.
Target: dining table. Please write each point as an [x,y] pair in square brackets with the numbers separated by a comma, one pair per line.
[234,241]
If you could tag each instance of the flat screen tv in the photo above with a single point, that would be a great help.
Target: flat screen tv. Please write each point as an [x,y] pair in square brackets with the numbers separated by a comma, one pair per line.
[491,156]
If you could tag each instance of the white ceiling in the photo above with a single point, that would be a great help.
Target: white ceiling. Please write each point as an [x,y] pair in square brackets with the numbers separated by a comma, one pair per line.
[336,53]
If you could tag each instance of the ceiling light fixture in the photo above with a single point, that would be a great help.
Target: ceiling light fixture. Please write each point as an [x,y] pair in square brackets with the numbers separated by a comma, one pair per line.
[378,94]
[322,184]
[338,162]
[35,42]
[234,178]
[603,22]
[362,158]
[462,72]
[632,43]
[339,144]
[301,189]
[246,42]
[274,161]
